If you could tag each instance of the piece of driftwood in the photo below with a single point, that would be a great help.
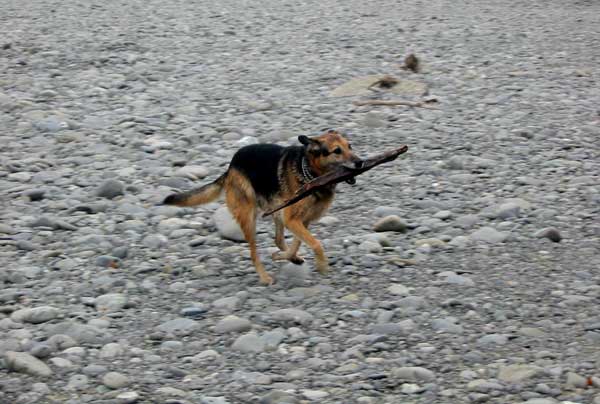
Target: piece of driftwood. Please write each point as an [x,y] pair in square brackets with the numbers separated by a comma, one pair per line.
[340,174]
[395,102]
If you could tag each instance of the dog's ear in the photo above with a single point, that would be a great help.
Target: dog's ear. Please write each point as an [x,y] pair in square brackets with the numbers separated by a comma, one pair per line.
[304,140]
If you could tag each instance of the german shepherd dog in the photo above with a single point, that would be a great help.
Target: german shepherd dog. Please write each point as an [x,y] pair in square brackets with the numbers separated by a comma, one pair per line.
[261,176]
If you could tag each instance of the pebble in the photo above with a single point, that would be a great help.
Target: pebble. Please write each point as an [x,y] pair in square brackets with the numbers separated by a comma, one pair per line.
[551,233]
[390,223]
[179,326]
[517,373]
[110,189]
[232,324]
[249,343]
[412,373]
[489,235]
[35,315]
[111,302]
[115,380]
[24,363]
[227,226]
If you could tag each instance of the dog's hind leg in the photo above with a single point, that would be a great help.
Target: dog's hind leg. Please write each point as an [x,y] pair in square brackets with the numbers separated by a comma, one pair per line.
[241,201]
[302,234]
[279,233]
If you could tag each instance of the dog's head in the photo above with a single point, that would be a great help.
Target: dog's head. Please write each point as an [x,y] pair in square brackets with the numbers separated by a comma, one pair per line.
[328,151]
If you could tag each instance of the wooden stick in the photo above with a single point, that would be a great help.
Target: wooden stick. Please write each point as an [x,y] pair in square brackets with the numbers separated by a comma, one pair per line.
[393,102]
[340,174]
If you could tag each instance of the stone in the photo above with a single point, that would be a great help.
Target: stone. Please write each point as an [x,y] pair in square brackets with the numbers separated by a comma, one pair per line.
[110,189]
[279,397]
[128,397]
[398,290]
[249,343]
[226,225]
[77,382]
[111,350]
[35,315]
[25,363]
[296,316]
[82,333]
[193,172]
[551,233]
[179,326]
[517,373]
[111,302]
[576,381]
[232,324]
[115,380]
[390,223]
[412,373]
[489,235]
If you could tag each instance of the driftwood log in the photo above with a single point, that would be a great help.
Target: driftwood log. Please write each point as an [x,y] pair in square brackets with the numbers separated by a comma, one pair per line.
[340,174]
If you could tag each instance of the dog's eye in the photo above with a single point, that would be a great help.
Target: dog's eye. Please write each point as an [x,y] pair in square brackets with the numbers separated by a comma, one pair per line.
[349,146]
[325,153]
[337,150]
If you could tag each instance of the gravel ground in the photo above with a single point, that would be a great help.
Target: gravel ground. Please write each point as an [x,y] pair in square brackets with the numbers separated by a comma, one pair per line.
[466,272]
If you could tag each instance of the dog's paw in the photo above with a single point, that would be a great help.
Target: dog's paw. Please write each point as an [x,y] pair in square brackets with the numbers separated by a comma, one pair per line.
[267,280]
[296,259]
[322,267]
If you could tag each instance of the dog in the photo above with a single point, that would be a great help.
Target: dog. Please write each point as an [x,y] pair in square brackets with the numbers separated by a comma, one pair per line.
[262,176]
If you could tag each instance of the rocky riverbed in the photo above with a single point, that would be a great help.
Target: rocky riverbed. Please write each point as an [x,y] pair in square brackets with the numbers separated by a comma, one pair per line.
[466,272]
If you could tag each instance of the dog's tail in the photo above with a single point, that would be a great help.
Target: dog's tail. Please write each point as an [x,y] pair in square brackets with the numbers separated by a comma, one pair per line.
[198,196]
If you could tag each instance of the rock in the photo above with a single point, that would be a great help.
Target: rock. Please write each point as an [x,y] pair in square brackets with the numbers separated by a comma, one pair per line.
[110,189]
[398,290]
[192,172]
[128,397]
[412,374]
[24,363]
[179,326]
[226,225]
[551,233]
[77,382]
[390,223]
[315,395]
[489,235]
[411,388]
[35,315]
[279,397]
[484,386]
[296,316]
[249,343]
[508,210]
[232,324]
[403,327]
[576,381]
[82,333]
[273,338]
[111,302]
[111,350]
[517,373]
[115,380]
[454,279]
[447,324]
[493,339]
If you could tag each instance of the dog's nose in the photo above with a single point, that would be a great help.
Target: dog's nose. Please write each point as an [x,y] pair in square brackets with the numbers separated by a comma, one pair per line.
[358,164]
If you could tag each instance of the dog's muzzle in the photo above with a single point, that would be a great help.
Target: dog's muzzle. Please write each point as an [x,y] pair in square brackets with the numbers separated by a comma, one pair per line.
[355,165]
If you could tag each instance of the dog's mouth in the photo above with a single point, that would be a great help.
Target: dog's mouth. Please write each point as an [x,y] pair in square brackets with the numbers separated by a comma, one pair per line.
[351,181]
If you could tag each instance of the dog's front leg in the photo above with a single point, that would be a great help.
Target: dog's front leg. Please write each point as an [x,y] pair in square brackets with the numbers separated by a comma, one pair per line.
[291,254]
